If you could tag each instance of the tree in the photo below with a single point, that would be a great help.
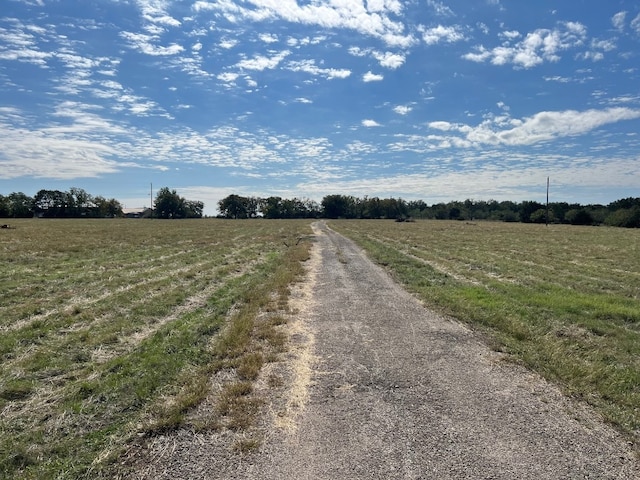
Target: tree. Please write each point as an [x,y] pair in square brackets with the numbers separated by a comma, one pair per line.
[169,204]
[51,203]
[625,217]
[21,205]
[579,216]
[271,207]
[193,209]
[339,206]
[540,216]
[80,203]
[106,208]
[527,208]
[234,206]
[5,210]
[629,202]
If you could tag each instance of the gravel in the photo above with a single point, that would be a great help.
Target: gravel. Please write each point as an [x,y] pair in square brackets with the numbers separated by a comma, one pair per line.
[376,386]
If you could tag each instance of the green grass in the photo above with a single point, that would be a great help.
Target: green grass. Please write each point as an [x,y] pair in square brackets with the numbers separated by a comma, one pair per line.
[112,329]
[562,300]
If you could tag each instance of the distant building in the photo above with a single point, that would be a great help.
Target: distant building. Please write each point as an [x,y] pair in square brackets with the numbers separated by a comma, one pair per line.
[142,212]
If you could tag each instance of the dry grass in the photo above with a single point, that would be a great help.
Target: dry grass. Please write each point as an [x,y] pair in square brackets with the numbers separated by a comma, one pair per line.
[111,328]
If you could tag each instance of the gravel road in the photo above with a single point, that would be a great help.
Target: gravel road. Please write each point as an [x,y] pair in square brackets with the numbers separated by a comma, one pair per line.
[379,387]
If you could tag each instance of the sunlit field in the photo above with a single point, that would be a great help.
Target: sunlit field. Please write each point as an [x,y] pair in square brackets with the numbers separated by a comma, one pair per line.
[562,300]
[112,329]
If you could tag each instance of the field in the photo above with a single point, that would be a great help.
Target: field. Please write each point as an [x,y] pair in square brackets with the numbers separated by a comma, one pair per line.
[112,329]
[562,300]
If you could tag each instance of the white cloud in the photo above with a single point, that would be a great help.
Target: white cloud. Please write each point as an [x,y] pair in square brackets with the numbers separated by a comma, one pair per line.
[537,47]
[372,77]
[402,109]
[618,20]
[228,77]
[635,24]
[268,38]
[370,123]
[154,11]
[309,66]
[377,22]
[510,34]
[228,43]
[143,43]
[592,55]
[261,62]
[440,33]
[389,59]
[483,28]
[381,6]
[541,127]
[18,44]
[440,125]
[606,45]
[440,8]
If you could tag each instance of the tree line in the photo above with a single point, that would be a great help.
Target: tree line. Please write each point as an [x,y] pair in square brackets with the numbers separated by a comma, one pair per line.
[621,213]
[77,203]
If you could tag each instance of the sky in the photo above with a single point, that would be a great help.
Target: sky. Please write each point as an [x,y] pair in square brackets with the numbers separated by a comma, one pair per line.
[436,100]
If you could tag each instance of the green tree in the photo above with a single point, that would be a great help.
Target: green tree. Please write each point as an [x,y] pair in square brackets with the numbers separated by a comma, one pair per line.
[629,202]
[527,208]
[169,204]
[52,203]
[579,216]
[271,207]
[234,206]
[625,217]
[193,209]
[106,208]
[21,205]
[5,210]
[339,206]
[80,203]
[540,216]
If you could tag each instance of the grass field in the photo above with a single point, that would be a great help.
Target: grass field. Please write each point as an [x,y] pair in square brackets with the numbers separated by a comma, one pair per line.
[113,329]
[110,329]
[562,300]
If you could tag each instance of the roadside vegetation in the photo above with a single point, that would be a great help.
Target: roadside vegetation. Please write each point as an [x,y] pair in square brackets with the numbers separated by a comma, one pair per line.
[111,330]
[562,300]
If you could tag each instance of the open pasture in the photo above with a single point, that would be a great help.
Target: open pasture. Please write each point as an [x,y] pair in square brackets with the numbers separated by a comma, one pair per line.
[112,329]
[562,300]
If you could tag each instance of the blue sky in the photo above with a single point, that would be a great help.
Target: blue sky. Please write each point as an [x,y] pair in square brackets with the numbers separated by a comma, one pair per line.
[421,99]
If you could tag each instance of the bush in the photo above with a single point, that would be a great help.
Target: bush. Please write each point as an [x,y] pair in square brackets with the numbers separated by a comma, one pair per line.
[579,217]
[624,217]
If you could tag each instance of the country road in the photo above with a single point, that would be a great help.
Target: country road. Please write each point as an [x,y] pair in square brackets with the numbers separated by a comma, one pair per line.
[383,388]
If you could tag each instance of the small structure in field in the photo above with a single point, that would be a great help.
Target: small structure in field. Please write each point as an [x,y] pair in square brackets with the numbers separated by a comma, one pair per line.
[142,212]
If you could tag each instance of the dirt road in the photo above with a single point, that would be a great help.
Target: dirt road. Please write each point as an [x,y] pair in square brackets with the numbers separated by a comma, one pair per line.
[383,388]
